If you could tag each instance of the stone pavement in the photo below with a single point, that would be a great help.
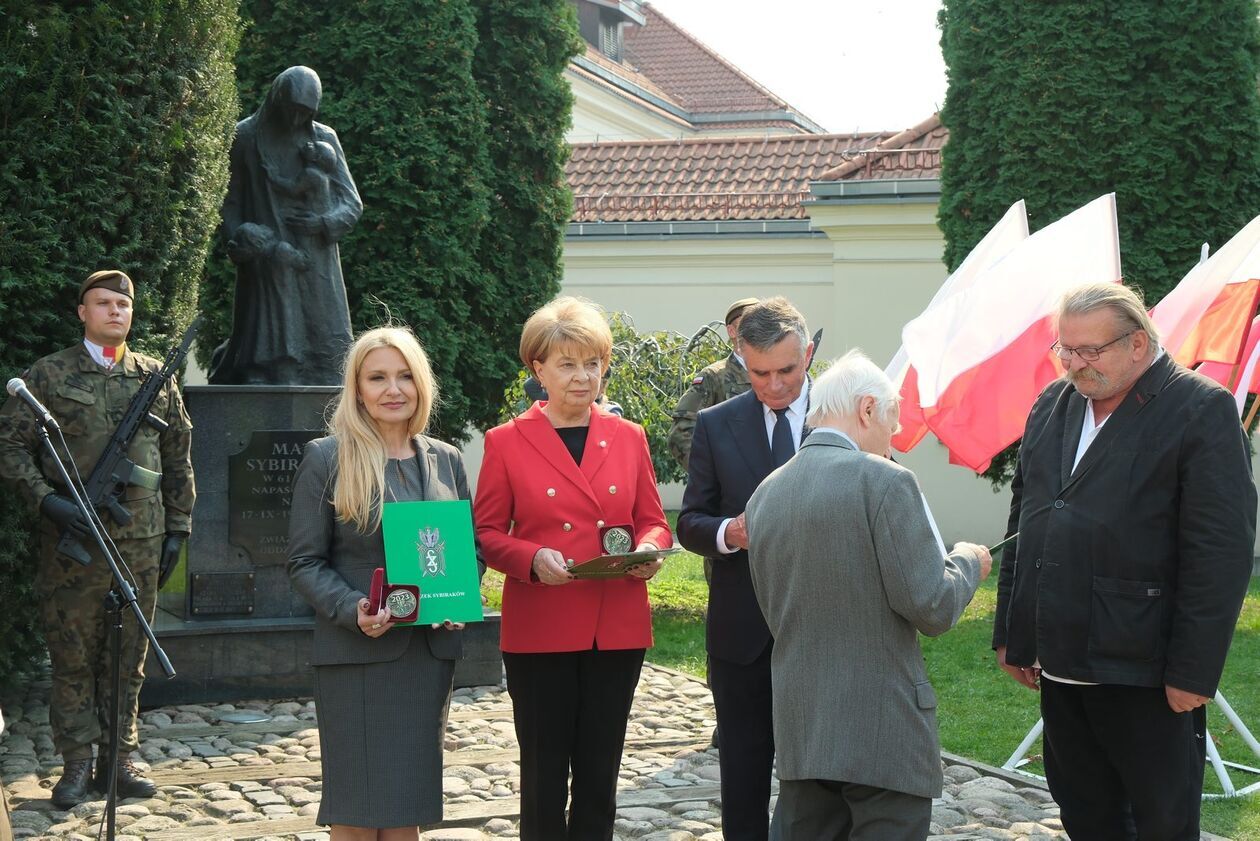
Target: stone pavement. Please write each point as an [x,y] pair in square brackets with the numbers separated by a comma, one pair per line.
[262,781]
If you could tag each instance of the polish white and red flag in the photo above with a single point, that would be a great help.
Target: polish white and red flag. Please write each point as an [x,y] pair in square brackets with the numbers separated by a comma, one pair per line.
[1002,238]
[982,354]
[1206,318]
[1245,375]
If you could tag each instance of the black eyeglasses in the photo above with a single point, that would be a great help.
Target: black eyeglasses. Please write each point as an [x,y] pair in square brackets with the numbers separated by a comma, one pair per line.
[1087,353]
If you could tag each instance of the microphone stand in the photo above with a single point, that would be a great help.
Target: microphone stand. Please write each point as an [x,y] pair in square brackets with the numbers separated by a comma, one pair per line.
[119,595]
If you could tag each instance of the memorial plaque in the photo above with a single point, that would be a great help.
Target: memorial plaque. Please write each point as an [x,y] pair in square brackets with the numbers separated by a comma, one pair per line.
[220,593]
[260,491]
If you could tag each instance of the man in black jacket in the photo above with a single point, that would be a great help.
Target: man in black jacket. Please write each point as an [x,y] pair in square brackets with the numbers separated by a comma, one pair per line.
[1136,514]
[736,444]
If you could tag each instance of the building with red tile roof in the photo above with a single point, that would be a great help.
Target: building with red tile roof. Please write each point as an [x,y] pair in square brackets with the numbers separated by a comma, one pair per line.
[642,77]
[748,178]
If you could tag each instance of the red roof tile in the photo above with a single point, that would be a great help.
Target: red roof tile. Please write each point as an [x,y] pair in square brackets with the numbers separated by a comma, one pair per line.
[694,74]
[705,178]
[629,74]
[913,153]
[668,63]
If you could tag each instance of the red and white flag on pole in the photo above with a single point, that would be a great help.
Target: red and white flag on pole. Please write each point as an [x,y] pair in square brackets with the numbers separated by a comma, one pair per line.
[1246,375]
[1002,238]
[1206,317]
[982,355]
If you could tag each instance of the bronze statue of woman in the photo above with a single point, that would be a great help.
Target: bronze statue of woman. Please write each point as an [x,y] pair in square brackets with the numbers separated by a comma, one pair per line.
[290,200]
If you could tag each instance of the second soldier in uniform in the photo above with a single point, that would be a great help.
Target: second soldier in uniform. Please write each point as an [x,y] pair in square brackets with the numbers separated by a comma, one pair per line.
[720,381]
[88,387]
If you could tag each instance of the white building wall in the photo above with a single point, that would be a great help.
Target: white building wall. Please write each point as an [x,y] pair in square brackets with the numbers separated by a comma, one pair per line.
[601,115]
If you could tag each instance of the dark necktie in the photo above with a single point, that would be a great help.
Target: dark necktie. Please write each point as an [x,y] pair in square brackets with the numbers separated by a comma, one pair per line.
[781,448]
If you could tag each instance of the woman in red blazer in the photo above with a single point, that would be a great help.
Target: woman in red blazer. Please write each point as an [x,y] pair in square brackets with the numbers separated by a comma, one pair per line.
[554,481]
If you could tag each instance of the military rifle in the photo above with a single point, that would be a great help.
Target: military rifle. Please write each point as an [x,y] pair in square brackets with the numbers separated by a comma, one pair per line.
[114,470]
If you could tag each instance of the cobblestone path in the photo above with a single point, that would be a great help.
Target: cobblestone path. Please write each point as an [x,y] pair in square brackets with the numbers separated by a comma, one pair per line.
[262,781]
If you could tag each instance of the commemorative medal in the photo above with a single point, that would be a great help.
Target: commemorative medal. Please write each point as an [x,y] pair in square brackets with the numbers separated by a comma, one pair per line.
[617,540]
[401,603]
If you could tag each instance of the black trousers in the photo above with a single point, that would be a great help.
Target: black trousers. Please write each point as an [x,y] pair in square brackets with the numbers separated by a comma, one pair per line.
[1121,764]
[828,810]
[745,717]
[571,711]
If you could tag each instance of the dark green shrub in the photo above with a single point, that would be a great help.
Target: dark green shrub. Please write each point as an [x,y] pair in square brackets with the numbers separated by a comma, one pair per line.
[115,118]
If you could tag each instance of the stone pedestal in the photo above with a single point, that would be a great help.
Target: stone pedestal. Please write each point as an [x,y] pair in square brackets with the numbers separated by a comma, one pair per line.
[231,623]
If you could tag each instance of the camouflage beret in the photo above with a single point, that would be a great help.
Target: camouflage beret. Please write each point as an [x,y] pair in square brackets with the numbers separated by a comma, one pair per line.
[736,309]
[111,279]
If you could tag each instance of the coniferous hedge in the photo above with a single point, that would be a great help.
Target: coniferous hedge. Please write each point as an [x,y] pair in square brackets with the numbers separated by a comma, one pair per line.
[1058,103]
[523,47]
[456,146]
[115,119]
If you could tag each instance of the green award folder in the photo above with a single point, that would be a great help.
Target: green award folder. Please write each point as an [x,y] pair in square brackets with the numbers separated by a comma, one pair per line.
[430,544]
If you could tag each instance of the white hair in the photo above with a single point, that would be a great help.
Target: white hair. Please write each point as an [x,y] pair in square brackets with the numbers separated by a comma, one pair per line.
[839,390]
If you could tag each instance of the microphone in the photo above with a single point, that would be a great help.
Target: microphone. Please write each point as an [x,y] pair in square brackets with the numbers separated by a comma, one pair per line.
[18,389]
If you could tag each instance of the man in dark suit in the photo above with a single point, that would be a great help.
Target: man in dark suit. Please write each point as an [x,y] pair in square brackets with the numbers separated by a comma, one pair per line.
[1136,514]
[735,445]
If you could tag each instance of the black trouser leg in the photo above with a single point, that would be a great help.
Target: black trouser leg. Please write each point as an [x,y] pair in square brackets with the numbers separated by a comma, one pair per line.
[571,709]
[606,682]
[544,692]
[1121,764]
[742,697]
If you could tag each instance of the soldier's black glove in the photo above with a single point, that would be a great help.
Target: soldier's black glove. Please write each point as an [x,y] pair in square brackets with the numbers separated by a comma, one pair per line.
[65,514]
[170,555]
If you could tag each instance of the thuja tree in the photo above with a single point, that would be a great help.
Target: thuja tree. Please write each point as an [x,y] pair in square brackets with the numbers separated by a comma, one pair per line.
[115,119]
[523,47]
[1058,103]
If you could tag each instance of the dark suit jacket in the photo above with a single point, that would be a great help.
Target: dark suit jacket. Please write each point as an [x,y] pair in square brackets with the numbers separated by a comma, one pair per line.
[1132,568]
[331,563]
[730,455]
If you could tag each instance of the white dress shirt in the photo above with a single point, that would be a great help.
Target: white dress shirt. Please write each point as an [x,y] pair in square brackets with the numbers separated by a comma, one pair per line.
[795,415]
[97,352]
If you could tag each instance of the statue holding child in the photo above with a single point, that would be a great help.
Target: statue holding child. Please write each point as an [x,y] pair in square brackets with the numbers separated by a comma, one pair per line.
[290,200]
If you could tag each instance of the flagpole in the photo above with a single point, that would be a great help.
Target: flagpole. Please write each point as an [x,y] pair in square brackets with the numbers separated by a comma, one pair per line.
[1255,404]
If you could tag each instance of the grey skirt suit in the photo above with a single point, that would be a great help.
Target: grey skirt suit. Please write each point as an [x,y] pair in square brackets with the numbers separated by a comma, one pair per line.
[382,703]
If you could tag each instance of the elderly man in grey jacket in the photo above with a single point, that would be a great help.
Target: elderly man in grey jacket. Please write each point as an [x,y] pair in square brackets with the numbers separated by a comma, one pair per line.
[848,571]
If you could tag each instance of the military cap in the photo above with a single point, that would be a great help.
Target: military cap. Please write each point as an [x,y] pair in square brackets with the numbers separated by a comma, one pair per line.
[734,310]
[111,279]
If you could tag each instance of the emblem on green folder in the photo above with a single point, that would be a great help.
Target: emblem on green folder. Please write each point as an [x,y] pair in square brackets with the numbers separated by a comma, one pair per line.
[432,552]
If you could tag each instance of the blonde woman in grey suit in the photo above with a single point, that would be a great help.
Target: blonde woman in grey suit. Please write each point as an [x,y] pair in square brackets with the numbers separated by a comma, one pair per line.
[381,692]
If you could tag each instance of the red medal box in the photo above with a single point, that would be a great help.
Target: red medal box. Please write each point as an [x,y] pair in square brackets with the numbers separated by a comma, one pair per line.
[401,600]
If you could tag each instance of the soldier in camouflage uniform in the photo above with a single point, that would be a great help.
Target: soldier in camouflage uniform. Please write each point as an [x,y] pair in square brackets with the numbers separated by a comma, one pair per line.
[720,381]
[87,388]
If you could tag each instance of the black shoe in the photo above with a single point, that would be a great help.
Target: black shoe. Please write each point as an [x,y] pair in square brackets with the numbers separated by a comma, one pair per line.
[130,782]
[72,788]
